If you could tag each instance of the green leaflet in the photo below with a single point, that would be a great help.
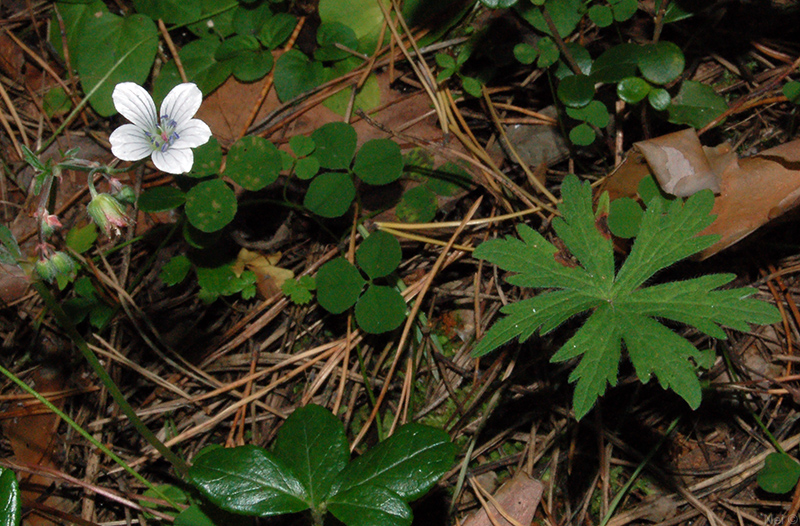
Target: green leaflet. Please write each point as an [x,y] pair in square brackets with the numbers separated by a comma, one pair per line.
[621,309]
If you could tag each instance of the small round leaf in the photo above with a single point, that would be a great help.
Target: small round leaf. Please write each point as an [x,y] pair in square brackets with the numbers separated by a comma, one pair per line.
[330,194]
[306,168]
[582,135]
[601,15]
[339,284]
[161,199]
[210,205]
[632,89]
[301,145]
[381,309]
[379,162]
[207,159]
[379,254]
[548,52]
[659,99]
[779,474]
[661,63]
[576,91]
[624,9]
[792,91]
[524,53]
[331,33]
[253,162]
[624,217]
[336,145]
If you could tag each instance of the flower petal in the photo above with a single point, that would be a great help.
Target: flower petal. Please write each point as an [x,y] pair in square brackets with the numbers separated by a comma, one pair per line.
[191,134]
[174,160]
[129,143]
[135,104]
[182,102]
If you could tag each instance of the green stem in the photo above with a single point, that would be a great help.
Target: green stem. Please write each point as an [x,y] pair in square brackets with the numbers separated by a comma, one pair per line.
[99,445]
[66,324]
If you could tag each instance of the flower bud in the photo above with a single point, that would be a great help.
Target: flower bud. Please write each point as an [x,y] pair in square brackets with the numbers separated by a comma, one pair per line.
[108,214]
[55,265]
[48,224]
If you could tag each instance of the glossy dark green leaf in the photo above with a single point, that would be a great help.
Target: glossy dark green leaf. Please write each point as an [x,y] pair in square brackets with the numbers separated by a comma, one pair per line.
[380,309]
[248,480]
[161,199]
[624,217]
[408,463]
[418,205]
[616,63]
[633,89]
[295,74]
[661,63]
[696,104]
[498,4]
[779,474]
[11,508]
[313,445]
[659,99]
[370,506]
[335,145]
[379,254]
[210,205]
[379,162]
[330,194]
[253,163]
[576,91]
[581,57]
[339,285]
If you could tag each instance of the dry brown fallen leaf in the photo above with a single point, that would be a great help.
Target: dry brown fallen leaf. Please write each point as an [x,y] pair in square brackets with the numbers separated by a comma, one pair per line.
[34,439]
[519,497]
[751,191]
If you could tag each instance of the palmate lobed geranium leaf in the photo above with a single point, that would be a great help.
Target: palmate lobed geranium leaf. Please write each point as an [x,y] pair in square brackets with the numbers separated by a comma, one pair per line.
[622,311]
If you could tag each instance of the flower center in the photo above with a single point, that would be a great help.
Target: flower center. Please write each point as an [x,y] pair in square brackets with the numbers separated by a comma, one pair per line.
[163,135]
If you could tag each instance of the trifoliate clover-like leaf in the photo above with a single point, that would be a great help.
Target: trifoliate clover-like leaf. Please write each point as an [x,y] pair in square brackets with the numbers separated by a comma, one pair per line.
[621,309]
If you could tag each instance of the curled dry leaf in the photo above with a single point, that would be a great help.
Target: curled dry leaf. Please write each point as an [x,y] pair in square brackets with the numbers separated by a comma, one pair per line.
[751,191]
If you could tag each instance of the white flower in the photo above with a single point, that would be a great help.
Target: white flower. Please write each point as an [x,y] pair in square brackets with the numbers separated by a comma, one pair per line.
[169,139]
